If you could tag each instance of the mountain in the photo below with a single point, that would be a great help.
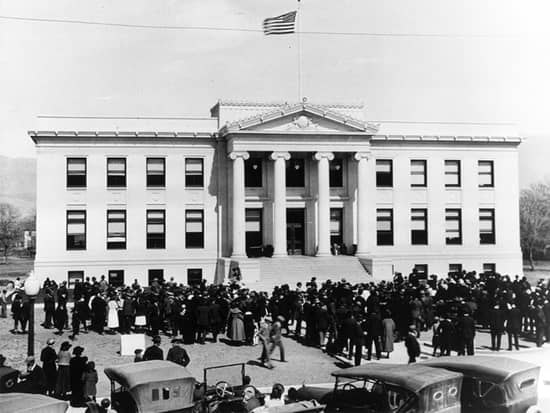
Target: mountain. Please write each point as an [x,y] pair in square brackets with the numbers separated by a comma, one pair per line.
[18,183]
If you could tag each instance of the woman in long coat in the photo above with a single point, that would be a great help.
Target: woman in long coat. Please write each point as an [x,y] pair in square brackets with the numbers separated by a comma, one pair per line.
[236,325]
[389,333]
[112,314]
[77,367]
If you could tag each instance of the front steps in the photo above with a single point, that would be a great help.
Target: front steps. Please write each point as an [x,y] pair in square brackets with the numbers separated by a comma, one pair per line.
[290,270]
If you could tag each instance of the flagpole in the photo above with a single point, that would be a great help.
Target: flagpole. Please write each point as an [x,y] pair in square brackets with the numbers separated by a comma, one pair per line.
[298,28]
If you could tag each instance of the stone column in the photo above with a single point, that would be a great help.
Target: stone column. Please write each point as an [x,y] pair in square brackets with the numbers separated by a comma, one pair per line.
[239,240]
[323,199]
[279,203]
[362,203]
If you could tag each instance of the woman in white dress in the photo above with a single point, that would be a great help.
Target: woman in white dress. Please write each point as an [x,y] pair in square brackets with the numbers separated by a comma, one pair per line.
[112,314]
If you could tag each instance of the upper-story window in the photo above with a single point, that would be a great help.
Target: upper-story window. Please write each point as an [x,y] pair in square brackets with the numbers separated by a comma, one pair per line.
[194,172]
[384,173]
[116,172]
[336,173]
[253,173]
[156,229]
[487,226]
[76,172]
[156,172]
[194,228]
[485,174]
[419,226]
[418,173]
[453,226]
[116,229]
[452,173]
[295,173]
[384,227]
[76,230]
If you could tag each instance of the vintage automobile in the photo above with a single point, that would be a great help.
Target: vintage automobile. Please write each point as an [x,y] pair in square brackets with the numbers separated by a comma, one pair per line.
[8,379]
[151,387]
[161,386]
[31,403]
[389,388]
[494,384]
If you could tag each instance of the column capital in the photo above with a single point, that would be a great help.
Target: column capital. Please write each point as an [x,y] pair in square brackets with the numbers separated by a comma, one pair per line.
[362,155]
[239,154]
[320,155]
[279,154]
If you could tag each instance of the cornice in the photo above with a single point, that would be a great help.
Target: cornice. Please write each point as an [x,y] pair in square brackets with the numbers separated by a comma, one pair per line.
[36,135]
[244,103]
[447,138]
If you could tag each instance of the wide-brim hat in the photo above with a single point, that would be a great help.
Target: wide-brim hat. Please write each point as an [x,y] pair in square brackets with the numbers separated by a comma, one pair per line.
[50,342]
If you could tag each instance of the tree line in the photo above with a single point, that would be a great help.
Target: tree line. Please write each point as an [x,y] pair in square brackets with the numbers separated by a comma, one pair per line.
[12,227]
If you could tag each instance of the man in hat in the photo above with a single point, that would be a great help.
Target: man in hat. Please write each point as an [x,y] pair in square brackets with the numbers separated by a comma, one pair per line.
[177,354]
[48,356]
[276,336]
[154,352]
[33,379]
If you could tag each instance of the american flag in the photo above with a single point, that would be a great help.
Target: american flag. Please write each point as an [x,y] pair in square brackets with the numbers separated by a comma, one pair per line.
[283,24]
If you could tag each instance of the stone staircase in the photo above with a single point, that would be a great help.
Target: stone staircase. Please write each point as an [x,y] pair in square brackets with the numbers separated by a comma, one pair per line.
[290,270]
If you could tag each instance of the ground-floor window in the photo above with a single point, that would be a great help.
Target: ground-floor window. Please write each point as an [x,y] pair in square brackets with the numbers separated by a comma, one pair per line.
[455,269]
[155,274]
[72,276]
[116,278]
[194,276]
[489,268]
[421,271]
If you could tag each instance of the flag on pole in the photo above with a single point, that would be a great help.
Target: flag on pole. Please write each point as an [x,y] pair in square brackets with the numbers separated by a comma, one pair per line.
[283,24]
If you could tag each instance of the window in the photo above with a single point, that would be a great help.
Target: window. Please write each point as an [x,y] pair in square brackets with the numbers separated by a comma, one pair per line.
[116,278]
[336,173]
[156,229]
[452,173]
[116,172]
[155,275]
[486,226]
[253,173]
[418,173]
[419,226]
[76,230]
[194,228]
[453,227]
[154,395]
[455,269]
[165,393]
[116,229]
[194,276]
[421,271]
[295,175]
[156,175]
[489,268]
[384,173]
[72,276]
[384,227]
[194,172]
[485,174]
[76,172]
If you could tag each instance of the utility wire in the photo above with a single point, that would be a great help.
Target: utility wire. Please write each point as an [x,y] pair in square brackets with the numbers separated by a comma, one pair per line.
[233,29]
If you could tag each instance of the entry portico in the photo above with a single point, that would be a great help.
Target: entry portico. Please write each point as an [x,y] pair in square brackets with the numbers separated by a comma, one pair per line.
[311,133]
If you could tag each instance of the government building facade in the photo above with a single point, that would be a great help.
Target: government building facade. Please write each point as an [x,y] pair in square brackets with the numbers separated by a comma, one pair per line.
[196,198]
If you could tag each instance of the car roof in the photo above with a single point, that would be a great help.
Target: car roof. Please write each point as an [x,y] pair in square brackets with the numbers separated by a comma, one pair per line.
[494,369]
[25,402]
[143,372]
[413,377]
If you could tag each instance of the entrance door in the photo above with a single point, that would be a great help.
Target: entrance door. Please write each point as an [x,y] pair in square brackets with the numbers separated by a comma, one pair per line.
[254,235]
[336,233]
[295,233]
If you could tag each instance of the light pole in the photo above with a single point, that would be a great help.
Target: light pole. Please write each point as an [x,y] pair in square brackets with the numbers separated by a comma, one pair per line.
[32,288]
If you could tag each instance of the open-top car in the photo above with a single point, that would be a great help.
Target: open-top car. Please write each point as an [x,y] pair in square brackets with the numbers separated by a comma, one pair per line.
[494,384]
[389,388]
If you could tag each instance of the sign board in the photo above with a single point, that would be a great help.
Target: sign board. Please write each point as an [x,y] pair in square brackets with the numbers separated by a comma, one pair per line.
[130,342]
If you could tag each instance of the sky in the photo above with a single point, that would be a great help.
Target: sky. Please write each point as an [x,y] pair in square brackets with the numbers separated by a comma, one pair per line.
[407,60]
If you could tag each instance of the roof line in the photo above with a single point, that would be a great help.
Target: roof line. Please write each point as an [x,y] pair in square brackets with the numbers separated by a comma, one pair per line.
[125,117]
[435,122]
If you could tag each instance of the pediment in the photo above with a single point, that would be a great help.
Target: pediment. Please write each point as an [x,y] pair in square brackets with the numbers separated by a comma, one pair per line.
[302,118]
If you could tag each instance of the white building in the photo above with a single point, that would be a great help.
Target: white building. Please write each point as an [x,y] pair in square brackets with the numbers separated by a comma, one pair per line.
[188,198]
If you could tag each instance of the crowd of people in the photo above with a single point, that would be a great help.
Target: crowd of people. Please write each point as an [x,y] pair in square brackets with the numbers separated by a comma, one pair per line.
[354,320]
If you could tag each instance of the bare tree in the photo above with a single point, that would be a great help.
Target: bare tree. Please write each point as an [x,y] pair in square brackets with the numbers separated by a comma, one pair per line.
[10,229]
[534,209]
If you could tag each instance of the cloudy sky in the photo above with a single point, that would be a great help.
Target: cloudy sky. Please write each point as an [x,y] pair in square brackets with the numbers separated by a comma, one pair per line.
[411,60]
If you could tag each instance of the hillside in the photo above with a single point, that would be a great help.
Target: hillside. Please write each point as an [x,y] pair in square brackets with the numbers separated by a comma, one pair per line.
[18,182]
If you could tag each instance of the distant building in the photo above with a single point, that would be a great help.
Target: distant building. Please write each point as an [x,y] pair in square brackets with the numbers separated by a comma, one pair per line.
[29,240]
[190,198]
